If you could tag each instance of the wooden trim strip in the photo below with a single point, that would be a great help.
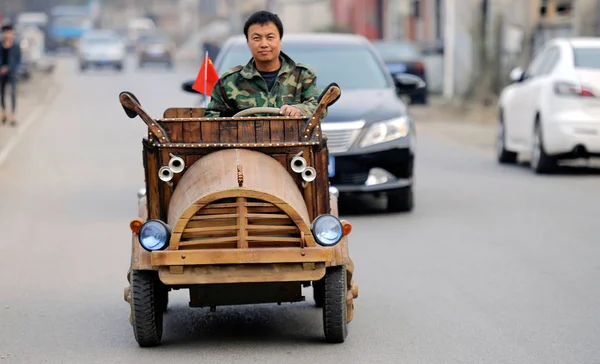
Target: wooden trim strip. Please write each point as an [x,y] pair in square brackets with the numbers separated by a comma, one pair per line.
[233,145]
[241,256]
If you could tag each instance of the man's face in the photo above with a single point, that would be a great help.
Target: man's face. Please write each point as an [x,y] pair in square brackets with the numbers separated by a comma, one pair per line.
[264,41]
[8,34]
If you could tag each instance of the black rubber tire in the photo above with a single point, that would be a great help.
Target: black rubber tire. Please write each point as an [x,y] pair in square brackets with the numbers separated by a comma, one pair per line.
[503,156]
[546,163]
[401,200]
[334,305]
[318,292]
[147,308]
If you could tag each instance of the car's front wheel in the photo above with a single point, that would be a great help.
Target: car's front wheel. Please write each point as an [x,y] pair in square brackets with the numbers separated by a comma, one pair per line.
[504,156]
[148,303]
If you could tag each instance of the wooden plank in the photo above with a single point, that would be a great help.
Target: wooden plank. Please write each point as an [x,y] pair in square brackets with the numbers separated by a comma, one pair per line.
[211,217]
[322,181]
[193,224]
[246,132]
[228,131]
[241,256]
[291,133]
[277,130]
[242,223]
[200,242]
[291,272]
[152,182]
[272,229]
[262,131]
[209,131]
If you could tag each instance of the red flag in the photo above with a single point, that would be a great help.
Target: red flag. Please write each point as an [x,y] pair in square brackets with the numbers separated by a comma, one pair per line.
[207,77]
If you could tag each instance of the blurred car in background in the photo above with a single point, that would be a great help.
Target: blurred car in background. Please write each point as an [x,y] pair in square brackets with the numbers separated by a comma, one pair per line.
[101,48]
[370,135]
[155,48]
[551,111]
[404,57]
[136,28]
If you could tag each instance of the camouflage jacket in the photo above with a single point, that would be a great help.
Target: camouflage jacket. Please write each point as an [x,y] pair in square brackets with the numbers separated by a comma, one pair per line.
[242,87]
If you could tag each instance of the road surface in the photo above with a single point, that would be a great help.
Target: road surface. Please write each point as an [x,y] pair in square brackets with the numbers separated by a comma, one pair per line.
[494,265]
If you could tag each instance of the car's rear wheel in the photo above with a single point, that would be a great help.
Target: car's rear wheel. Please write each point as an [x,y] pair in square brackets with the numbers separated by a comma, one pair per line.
[504,156]
[335,307]
[540,161]
[148,302]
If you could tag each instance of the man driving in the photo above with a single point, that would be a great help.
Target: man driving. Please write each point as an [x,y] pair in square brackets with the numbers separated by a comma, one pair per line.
[270,79]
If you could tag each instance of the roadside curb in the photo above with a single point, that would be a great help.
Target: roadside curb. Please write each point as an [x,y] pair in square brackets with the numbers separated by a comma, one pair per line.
[41,101]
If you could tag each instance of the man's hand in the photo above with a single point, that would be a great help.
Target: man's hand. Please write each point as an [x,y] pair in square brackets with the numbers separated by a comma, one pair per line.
[3,70]
[289,110]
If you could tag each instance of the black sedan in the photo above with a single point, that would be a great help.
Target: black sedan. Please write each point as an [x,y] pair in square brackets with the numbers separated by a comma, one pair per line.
[371,137]
[404,57]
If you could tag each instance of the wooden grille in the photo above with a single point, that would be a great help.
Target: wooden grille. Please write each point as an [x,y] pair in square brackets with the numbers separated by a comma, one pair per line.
[240,223]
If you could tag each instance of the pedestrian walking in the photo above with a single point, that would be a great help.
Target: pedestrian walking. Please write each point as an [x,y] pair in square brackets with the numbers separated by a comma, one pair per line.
[9,65]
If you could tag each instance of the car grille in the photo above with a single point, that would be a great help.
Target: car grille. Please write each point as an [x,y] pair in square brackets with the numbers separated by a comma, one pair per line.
[221,224]
[341,136]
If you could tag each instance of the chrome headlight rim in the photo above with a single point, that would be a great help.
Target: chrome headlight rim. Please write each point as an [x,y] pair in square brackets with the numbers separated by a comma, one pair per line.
[162,224]
[401,123]
[315,225]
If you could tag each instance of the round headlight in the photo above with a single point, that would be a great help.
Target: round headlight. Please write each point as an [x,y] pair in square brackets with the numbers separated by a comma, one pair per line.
[327,230]
[154,235]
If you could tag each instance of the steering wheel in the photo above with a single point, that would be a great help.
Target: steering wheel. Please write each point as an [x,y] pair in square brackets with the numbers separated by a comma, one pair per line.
[258,110]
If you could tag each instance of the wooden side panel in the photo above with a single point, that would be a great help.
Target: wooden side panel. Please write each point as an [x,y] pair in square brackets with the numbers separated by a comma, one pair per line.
[291,131]
[277,131]
[322,181]
[246,132]
[152,181]
[228,131]
[263,131]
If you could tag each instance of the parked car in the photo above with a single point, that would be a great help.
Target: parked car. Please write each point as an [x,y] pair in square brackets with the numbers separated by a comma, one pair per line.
[551,111]
[404,57]
[155,48]
[371,136]
[101,48]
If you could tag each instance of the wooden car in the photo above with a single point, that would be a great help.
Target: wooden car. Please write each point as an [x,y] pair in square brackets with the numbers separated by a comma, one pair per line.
[238,210]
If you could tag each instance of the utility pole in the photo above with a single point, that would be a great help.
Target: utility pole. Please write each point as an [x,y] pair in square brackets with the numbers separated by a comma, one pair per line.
[449,44]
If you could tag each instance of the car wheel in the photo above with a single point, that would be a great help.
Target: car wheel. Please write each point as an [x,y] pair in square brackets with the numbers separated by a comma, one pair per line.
[83,67]
[419,99]
[148,303]
[540,161]
[504,156]
[335,308]
[401,200]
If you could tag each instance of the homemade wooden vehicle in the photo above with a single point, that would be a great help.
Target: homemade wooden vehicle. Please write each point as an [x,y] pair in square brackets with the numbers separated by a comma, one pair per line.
[238,210]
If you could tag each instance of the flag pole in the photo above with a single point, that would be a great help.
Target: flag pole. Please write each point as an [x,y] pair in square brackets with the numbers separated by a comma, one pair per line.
[205,78]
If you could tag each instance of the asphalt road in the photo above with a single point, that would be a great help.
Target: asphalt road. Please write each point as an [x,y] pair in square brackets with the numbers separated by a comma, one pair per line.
[495,265]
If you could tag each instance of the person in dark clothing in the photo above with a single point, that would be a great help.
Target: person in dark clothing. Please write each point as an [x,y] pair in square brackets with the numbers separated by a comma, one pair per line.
[10,61]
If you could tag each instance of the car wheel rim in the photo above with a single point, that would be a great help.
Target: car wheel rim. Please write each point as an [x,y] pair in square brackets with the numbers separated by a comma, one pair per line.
[536,152]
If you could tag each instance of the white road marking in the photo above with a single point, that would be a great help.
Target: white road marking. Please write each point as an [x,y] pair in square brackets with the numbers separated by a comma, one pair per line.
[4,152]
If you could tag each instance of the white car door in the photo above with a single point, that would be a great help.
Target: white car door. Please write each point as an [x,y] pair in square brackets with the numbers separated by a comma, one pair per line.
[516,107]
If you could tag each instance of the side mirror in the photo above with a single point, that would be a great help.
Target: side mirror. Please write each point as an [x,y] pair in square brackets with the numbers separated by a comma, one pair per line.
[516,75]
[187,87]
[407,84]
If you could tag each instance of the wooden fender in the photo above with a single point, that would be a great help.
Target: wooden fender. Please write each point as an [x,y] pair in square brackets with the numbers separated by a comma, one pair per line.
[236,173]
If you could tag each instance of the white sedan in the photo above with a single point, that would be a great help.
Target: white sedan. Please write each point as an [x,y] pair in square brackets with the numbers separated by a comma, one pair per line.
[551,111]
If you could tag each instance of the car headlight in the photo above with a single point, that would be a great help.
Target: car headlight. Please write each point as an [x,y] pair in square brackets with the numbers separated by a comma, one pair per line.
[327,230]
[154,235]
[385,131]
